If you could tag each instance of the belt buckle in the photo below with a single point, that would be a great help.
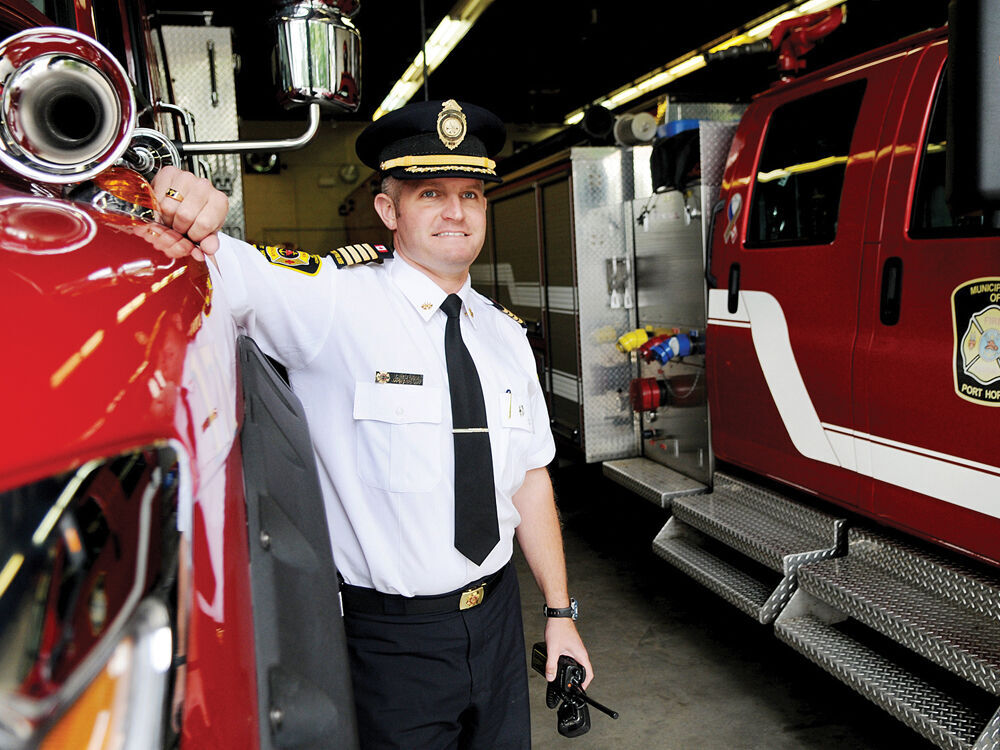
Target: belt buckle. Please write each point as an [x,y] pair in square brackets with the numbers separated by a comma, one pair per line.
[471,598]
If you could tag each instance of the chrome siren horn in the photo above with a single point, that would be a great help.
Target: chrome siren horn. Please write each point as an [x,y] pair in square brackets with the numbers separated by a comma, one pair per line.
[66,106]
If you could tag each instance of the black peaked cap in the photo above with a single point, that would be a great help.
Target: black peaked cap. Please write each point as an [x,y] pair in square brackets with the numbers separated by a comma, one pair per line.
[434,139]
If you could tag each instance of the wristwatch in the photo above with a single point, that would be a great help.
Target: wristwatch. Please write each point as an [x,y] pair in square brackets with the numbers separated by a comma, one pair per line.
[573,610]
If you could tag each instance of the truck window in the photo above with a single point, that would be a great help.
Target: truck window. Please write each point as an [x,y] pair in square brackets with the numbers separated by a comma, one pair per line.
[110,30]
[60,12]
[932,217]
[796,195]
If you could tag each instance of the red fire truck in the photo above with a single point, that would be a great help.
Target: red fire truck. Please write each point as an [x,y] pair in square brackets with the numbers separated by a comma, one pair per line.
[806,378]
[853,377]
[165,571]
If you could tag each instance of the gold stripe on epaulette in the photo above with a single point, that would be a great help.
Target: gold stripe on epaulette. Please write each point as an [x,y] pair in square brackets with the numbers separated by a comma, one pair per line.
[507,312]
[360,253]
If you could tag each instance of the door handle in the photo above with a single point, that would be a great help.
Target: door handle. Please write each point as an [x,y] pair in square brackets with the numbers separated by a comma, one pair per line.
[734,288]
[210,48]
[892,289]
[716,210]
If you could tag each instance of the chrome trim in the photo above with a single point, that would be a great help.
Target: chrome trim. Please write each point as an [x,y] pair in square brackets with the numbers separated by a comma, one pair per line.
[150,150]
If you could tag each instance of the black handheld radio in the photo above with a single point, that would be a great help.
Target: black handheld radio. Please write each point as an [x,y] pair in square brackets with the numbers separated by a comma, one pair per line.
[573,715]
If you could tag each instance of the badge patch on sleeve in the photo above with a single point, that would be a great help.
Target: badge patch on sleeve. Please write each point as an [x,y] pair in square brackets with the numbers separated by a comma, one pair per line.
[297,260]
[976,316]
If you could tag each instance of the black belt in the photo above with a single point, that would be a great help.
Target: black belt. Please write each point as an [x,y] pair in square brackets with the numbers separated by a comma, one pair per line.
[372,602]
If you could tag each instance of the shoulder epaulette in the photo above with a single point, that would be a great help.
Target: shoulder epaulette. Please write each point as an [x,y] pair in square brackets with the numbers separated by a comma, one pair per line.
[350,255]
[507,312]
[297,260]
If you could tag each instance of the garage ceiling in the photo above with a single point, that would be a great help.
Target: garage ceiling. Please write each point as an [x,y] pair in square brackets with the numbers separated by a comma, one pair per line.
[535,62]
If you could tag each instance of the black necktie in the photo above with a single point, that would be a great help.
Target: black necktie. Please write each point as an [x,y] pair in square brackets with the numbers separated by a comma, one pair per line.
[476,529]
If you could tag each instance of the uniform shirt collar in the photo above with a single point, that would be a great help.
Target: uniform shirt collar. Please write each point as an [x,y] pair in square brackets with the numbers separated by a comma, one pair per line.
[426,296]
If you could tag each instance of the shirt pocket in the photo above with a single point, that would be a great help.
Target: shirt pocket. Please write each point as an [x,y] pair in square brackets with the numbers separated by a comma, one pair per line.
[514,409]
[399,435]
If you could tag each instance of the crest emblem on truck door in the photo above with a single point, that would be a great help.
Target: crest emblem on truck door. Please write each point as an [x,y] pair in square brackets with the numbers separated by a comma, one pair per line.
[976,313]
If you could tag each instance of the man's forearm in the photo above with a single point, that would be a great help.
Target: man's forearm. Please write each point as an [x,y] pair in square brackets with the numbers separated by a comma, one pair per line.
[540,536]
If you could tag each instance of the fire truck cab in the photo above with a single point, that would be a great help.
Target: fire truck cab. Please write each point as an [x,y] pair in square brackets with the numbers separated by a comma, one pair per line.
[854,328]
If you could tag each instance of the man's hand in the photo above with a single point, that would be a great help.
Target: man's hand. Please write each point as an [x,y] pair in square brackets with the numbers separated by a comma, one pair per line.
[191,206]
[561,638]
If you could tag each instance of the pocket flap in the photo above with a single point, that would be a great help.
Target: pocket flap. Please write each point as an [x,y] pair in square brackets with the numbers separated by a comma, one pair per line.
[398,404]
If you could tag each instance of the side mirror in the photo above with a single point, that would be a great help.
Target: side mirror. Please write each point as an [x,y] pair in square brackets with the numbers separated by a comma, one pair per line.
[318,54]
[318,63]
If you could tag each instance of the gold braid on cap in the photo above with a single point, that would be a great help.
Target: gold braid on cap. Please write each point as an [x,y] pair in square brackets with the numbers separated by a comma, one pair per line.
[469,163]
[453,168]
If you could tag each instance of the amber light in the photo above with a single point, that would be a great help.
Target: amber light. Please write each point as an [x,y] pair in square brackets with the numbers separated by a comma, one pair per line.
[129,186]
[96,719]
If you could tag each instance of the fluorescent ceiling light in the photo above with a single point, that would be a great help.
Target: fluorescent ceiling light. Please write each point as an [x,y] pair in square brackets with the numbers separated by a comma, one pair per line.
[439,44]
[695,60]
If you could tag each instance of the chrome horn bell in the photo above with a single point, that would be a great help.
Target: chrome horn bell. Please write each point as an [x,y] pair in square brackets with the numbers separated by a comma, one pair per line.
[66,106]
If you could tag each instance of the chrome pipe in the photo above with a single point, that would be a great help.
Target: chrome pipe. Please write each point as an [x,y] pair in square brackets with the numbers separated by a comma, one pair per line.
[245,147]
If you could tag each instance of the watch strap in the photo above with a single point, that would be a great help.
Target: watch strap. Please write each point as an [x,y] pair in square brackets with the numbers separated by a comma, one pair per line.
[571,611]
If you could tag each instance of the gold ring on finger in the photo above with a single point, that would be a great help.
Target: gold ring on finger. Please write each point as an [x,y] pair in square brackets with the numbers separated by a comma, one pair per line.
[175,194]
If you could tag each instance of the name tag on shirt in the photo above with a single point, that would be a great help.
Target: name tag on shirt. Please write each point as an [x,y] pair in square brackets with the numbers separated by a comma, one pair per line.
[399,378]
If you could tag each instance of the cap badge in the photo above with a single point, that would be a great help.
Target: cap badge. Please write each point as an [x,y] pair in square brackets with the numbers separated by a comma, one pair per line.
[451,124]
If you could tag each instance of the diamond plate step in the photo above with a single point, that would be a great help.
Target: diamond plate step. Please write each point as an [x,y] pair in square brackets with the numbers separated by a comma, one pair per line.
[763,525]
[945,612]
[774,531]
[680,546]
[941,717]
[651,480]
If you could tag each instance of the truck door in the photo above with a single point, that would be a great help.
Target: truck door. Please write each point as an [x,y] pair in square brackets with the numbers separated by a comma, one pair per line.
[929,344]
[787,256]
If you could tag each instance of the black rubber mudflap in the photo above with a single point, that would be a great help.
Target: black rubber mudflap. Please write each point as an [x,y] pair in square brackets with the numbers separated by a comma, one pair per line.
[303,677]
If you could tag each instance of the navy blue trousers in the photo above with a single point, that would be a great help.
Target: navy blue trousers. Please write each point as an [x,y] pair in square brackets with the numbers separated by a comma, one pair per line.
[454,681]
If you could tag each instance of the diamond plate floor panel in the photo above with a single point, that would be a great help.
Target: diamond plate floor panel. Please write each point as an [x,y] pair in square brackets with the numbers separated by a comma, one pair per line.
[735,586]
[943,622]
[938,716]
[653,481]
[759,523]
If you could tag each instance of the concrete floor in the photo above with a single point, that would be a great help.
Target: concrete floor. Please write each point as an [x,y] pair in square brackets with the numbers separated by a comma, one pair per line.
[682,667]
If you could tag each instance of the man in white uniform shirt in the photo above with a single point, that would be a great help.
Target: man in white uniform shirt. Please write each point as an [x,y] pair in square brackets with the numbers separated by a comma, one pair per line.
[374,340]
